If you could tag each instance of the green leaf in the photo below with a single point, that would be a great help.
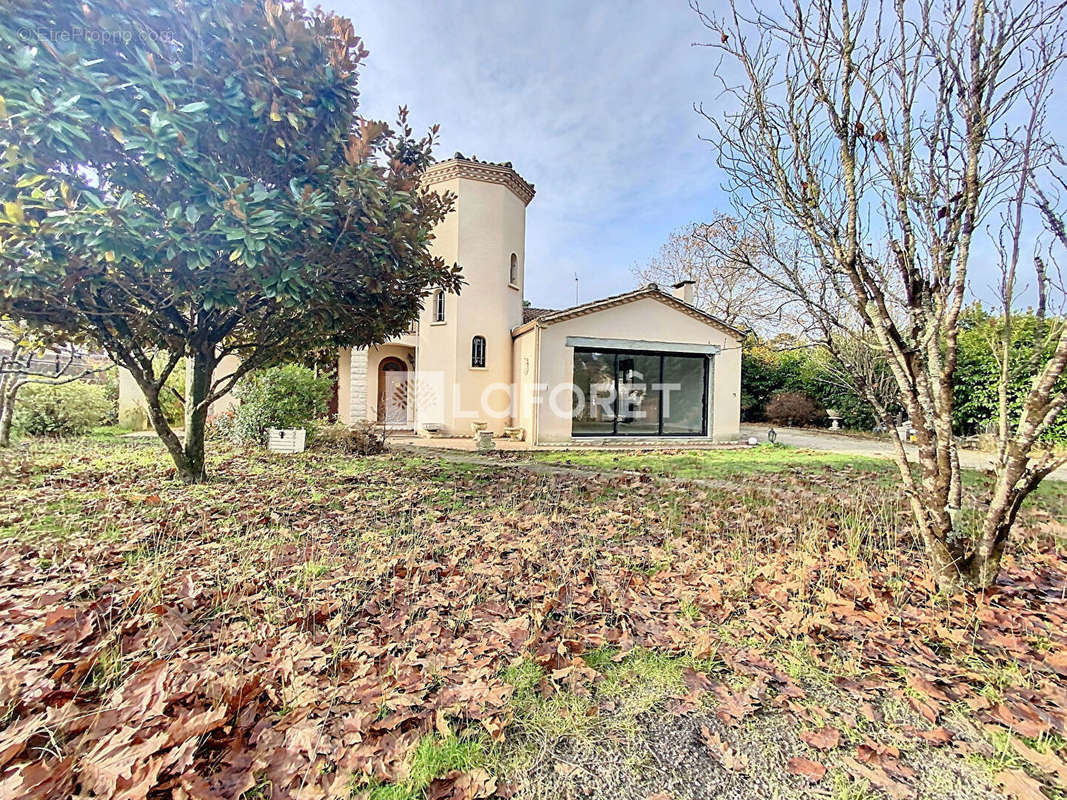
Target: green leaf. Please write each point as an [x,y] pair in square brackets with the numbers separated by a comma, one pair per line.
[192,213]
[30,180]
[192,108]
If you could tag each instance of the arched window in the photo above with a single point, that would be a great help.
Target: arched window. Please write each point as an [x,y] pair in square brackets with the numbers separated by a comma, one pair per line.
[513,275]
[439,306]
[478,351]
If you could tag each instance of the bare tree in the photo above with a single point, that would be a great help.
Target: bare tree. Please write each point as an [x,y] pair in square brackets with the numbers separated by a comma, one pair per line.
[886,134]
[25,360]
[706,253]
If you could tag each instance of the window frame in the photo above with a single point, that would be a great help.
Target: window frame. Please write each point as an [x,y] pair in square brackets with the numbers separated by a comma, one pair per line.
[513,271]
[474,352]
[616,353]
[438,307]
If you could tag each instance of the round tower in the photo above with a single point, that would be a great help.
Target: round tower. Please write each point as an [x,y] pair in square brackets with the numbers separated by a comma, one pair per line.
[467,337]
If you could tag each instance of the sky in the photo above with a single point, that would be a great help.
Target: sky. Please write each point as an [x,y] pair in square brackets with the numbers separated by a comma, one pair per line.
[591,102]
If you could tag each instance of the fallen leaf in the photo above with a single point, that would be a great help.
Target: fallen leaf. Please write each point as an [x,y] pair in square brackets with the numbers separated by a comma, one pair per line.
[806,768]
[1016,783]
[724,754]
[826,738]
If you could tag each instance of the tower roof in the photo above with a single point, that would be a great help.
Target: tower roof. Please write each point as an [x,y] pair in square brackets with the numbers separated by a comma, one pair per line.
[460,166]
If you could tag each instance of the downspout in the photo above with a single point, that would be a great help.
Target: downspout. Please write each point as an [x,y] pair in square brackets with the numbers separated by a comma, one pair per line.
[536,382]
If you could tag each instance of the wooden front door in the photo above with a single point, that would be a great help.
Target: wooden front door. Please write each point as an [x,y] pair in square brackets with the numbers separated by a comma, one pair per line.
[393,391]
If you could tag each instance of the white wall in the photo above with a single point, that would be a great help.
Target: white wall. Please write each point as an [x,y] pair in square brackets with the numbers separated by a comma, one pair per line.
[487,225]
[644,319]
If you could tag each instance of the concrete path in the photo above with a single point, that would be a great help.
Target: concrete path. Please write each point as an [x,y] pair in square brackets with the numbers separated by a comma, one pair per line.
[863,446]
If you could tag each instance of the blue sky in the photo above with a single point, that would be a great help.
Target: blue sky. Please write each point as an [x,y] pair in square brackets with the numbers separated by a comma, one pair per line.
[592,102]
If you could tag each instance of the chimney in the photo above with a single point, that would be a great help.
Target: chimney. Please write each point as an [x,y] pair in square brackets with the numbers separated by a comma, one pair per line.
[683,290]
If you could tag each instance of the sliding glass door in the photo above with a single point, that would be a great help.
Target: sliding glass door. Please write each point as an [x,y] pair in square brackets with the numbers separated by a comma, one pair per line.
[594,406]
[629,393]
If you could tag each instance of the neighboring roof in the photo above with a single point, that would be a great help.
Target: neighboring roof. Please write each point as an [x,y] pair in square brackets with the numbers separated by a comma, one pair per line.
[529,313]
[459,166]
[650,291]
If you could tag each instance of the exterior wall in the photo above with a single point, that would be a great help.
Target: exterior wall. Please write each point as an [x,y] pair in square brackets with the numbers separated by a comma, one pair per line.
[344,386]
[357,386]
[487,225]
[436,351]
[133,410]
[525,366]
[646,319]
[726,393]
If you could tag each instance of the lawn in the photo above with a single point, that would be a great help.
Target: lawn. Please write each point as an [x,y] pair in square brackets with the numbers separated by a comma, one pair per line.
[726,463]
[401,627]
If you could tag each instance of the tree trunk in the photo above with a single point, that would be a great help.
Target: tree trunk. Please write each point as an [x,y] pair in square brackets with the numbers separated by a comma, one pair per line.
[8,390]
[982,569]
[200,368]
[188,456]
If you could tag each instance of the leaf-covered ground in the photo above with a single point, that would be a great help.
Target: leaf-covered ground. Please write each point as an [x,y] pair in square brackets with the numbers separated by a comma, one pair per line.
[406,627]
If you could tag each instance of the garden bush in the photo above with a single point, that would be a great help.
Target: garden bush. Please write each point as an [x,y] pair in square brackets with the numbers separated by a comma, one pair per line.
[978,371]
[794,408]
[767,370]
[66,409]
[289,396]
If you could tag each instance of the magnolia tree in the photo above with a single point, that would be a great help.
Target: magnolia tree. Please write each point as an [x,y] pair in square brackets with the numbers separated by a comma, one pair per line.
[192,179]
[901,142]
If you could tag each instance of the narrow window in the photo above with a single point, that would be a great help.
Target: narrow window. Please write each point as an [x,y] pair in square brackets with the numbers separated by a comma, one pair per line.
[439,306]
[478,351]
[513,276]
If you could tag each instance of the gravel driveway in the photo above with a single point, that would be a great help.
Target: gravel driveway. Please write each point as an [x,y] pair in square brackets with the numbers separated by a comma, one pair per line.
[861,445]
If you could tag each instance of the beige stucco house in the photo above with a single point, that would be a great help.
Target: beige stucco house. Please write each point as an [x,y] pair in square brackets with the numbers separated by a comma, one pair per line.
[644,364]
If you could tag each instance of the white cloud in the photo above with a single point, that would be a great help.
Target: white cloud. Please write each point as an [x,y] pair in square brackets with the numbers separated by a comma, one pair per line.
[592,102]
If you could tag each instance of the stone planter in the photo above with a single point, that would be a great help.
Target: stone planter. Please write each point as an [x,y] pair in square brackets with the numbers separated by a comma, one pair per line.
[477,426]
[483,440]
[430,430]
[518,434]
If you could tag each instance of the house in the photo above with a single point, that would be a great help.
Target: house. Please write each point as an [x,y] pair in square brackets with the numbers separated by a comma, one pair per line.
[646,363]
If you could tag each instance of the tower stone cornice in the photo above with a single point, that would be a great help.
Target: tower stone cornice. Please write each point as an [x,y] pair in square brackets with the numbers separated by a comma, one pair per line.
[471,168]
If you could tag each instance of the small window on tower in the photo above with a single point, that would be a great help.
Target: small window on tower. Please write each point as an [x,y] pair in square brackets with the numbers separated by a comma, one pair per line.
[439,306]
[478,351]
[513,275]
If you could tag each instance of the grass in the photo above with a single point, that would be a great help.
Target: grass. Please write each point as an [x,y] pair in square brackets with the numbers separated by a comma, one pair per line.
[765,459]
[434,757]
[567,717]
[774,459]
[426,562]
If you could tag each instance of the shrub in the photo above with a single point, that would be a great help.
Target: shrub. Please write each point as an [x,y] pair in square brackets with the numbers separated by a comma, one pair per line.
[66,409]
[361,439]
[290,396]
[794,408]
[766,371]
[221,426]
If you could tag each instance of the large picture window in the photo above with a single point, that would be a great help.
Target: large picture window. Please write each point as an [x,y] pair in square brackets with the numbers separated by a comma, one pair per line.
[622,393]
